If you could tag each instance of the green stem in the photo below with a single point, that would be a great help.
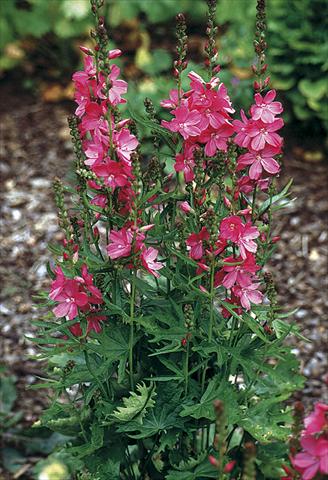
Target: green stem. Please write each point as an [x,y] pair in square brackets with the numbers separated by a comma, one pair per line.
[210,333]
[253,204]
[186,368]
[131,339]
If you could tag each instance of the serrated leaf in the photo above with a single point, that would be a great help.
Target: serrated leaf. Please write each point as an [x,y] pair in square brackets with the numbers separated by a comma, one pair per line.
[136,405]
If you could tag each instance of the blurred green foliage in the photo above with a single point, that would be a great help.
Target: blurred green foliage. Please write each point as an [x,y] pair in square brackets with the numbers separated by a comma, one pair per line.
[298,45]
[297,38]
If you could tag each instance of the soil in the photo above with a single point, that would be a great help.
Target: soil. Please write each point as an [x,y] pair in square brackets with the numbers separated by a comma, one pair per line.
[36,147]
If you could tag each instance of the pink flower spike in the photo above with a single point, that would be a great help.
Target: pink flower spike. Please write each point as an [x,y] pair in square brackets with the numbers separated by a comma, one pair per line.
[148,260]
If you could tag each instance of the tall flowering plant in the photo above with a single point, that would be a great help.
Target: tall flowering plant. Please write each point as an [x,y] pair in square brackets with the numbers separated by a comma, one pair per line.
[161,300]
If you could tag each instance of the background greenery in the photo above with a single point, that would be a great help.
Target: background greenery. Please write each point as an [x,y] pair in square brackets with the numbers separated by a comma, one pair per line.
[41,38]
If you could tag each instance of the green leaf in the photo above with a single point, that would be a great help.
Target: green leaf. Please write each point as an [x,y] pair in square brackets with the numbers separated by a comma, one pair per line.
[267,421]
[159,419]
[136,405]
[8,393]
[216,390]
[202,470]
[276,198]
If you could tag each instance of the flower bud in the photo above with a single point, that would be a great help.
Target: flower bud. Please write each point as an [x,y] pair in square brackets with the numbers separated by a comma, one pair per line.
[275,239]
[86,50]
[227,202]
[65,256]
[213,461]
[114,53]
[263,69]
[256,85]
[229,466]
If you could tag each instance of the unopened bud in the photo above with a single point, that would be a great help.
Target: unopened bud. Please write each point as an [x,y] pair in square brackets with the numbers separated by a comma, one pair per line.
[275,239]
[256,85]
[229,466]
[266,81]
[227,202]
[213,461]
[263,69]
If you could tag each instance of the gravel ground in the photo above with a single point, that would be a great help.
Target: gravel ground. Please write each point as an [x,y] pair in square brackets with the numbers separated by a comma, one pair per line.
[36,146]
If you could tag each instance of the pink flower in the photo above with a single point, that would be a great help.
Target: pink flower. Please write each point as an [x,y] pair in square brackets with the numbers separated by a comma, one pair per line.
[234,302]
[317,420]
[245,241]
[148,259]
[265,108]
[173,101]
[125,144]
[247,294]
[239,273]
[185,165]
[99,200]
[246,184]
[314,457]
[94,152]
[70,298]
[195,243]
[87,281]
[185,122]
[115,174]
[259,160]
[242,128]
[231,228]
[261,133]
[216,140]
[185,207]
[94,322]
[58,284]
[118,87]
[120,243]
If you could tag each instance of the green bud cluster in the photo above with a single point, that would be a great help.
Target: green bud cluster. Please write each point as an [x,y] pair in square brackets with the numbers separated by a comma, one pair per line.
[271,292]
[211,31]
[189,316]
[60,203]
[150,110]
[249,472]
[219,442]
